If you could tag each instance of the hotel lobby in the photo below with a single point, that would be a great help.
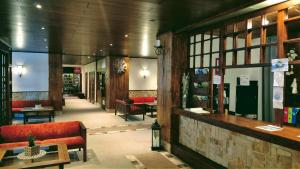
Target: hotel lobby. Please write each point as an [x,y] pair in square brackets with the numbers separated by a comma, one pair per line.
[156,84]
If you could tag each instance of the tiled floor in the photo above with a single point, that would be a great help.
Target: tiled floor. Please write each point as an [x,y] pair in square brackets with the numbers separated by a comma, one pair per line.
[110,138]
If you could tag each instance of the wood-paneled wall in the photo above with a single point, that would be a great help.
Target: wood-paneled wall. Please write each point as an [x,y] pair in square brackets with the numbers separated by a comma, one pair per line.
[55,80]
[117,85]
[171,66]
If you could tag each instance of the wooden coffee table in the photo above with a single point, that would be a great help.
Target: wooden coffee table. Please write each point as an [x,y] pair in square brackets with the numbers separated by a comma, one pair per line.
[59,157]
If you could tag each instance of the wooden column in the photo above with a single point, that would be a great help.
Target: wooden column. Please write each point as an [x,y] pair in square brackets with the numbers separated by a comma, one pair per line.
[171,66]
[117,85]
[55,80]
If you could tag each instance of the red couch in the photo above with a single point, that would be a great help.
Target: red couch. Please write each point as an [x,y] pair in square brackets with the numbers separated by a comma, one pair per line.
[17,105]
[142,100]
[71,133]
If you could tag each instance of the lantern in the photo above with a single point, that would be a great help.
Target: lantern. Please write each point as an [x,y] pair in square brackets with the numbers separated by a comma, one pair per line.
[156,136]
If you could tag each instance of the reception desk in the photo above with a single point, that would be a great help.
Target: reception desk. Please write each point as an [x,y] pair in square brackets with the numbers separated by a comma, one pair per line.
[225,141]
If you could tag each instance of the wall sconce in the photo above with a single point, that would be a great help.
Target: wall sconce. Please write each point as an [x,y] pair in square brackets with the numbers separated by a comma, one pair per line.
[144,72]
[20,70]
[158,48]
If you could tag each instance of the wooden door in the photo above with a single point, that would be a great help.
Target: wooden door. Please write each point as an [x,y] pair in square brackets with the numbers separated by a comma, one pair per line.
[92,87]
[86,85]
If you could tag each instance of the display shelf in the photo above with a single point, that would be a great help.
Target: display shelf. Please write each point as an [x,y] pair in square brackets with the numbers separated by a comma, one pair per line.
[292,41]
[295,62]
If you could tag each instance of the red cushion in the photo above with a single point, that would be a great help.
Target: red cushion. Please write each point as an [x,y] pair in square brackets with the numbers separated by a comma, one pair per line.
[149,99]
[18,133]
[137,99]
[68,140]
[17,144]
[29,103]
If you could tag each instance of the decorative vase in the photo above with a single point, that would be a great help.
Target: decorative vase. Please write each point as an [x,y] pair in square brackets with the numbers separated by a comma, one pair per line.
[294,86]
[32,151]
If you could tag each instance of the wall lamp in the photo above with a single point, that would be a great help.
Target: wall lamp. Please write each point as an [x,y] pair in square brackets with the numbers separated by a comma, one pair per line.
[158,48]
[20,70]
[144,72]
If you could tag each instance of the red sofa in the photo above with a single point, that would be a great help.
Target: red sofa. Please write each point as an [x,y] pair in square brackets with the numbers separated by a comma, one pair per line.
[142,100]
[17,105]
[71,133]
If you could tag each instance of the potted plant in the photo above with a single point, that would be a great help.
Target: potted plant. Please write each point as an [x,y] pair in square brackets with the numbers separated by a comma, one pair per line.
[32,148]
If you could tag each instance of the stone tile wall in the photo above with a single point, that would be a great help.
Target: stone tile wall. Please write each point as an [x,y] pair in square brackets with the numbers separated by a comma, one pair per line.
[234,150]
[32,95]
[142,93]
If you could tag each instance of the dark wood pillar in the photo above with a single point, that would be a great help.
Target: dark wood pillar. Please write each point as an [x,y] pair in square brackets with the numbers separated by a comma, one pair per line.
[117,85]
[171,66]
[55,80]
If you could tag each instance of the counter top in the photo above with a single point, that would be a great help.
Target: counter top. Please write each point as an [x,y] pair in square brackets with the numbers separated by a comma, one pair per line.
[287,137]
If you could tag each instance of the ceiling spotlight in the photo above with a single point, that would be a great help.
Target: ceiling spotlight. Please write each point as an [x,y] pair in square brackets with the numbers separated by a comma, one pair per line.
[46,47]
[89,57]
[126,36]
[19,24]
[101,50]
[38,6]
[43,28]
[110,44]
[45,40]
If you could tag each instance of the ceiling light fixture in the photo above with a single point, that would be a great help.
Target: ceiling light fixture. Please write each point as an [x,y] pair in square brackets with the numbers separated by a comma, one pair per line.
[46,47]
[45,39]
[110,44]
[38,6]
[126,36]
[89,57]
[43,28]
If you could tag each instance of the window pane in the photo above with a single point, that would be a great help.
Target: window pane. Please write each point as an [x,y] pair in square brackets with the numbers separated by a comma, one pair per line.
[198,48]
[207,35]
[255,37]
[229,29]
[191,62]
[241,40]
[191,50]
[255,56]
[197,61]
[216,33]
[207,46]
[198,37]
[215,60]
[270,53]
[240,57]
[192,39]
[229,56]
[216,45]
[270,18]
[255,22]
[241,26]
[206,60]
[294,11]
[229,43]
[271,34]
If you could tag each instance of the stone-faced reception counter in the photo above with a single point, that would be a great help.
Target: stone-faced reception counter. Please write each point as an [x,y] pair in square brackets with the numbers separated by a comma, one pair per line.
[234,142]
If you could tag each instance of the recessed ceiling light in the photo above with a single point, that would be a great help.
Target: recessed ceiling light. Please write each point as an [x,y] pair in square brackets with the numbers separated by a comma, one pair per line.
[46,47]
[42,28]
[126,36]
[19,24]
[111,44]
[45,39]
[38,6]
[101,50]
[89,57]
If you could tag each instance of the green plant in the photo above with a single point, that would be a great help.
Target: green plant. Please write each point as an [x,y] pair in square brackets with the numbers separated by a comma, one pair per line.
[31,142]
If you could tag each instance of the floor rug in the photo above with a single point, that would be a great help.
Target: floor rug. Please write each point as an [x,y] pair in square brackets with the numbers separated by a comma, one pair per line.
[156,160]
[119,128]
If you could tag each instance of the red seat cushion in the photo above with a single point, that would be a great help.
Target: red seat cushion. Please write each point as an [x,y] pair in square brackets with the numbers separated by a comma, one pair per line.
[19,133]
[17,144]
[78,140]
[29,103]
[149,99]
[137,99]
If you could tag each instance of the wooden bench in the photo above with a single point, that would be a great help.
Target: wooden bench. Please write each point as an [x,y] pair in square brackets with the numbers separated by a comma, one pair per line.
[129,109]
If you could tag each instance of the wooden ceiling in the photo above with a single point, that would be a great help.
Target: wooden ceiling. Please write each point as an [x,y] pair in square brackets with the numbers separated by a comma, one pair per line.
[84,27]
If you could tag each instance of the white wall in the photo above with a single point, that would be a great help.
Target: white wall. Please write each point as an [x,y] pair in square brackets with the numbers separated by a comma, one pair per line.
[255,74]
[138,82]
[36,72]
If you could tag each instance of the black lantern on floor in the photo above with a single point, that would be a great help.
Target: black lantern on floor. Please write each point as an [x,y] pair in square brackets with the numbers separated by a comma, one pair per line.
[156,136]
